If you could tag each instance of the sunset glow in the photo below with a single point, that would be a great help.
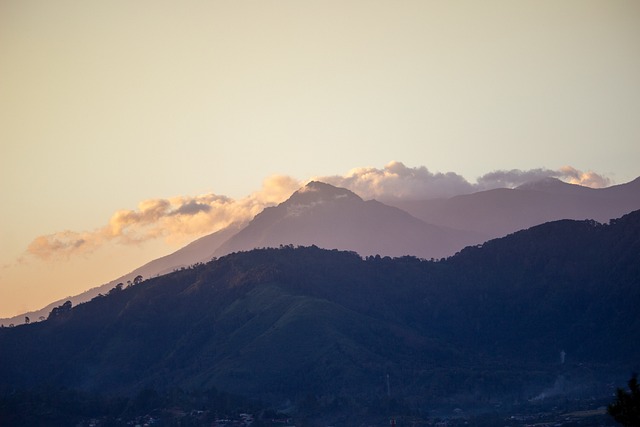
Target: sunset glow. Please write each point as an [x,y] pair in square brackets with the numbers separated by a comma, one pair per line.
[129,129]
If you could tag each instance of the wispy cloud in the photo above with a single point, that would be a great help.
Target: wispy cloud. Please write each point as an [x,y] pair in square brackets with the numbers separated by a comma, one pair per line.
[179,219]
[175,219]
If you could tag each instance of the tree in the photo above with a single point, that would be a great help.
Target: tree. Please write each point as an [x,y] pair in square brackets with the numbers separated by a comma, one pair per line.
[626,408]
[115,289]
[60,310]
[137,280]
[27,320]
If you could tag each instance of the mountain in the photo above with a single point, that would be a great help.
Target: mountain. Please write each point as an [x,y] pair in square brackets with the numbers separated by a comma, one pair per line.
[335,218]
[317,214]
[332,217]
[496,213]
[495,323]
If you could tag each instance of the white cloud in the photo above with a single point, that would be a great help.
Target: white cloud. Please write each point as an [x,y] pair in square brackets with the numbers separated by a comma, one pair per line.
[515,177]
[397,181]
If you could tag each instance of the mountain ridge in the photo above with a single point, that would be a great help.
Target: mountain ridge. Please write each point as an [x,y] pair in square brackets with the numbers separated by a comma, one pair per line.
[333,218]
[498,212]
[278,324]
[488,214]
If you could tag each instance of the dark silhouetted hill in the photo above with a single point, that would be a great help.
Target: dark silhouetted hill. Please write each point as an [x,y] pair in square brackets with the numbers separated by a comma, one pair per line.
[278,324]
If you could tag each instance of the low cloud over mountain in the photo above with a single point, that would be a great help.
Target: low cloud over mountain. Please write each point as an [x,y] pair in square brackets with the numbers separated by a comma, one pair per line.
[338,218]
[397,181]
[183,218]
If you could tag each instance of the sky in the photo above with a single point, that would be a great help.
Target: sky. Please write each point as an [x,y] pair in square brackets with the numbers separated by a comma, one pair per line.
[129,128]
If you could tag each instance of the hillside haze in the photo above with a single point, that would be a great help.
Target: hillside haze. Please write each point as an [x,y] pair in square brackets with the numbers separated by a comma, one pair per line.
[331,217]
[278,324]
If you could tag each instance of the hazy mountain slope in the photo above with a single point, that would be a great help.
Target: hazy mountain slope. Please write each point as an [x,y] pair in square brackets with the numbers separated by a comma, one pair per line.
[200,250]
[317,214]
[283,323]
[496,213]
[335,218]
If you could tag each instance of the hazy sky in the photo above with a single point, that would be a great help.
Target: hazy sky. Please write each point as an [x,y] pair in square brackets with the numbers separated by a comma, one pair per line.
[104,105]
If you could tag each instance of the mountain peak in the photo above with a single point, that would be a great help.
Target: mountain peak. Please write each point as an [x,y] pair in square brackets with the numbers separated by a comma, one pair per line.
[317,193]
[320,192]
[554,186]
[542,184]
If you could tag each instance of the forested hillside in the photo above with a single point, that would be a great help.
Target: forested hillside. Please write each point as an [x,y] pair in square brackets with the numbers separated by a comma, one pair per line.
[493,323]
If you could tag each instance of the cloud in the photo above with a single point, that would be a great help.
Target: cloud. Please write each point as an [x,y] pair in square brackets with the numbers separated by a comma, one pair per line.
[184,218]
[588,179]
[192,208]
[64,242]
[176,219]
[516,177]
[512,178]
[397,181]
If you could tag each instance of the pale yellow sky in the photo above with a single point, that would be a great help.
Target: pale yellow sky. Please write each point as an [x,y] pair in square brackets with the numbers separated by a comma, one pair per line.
[106,104]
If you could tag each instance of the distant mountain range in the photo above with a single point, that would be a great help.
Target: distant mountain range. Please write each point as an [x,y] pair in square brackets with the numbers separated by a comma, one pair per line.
[496,323]
[496,213]
[335,218]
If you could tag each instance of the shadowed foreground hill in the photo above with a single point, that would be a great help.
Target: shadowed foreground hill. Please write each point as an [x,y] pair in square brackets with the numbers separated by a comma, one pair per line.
[284,323]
